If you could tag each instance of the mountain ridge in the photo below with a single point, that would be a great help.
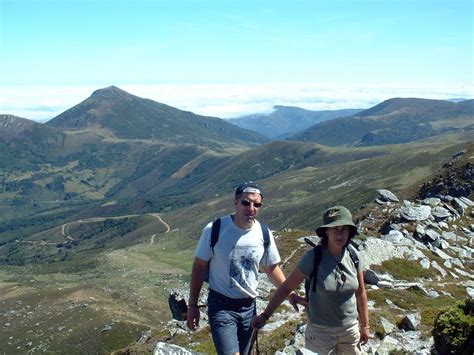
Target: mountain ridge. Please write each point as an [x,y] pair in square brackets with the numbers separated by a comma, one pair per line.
[287,120]
[397,120]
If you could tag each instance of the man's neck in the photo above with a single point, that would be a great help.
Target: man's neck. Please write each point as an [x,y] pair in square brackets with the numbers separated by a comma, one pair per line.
[243,224]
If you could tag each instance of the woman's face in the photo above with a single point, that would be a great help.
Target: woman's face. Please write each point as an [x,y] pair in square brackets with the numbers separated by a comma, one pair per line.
[338,236]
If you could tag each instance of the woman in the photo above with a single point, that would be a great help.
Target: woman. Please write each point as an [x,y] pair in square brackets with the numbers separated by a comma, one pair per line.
[337,306]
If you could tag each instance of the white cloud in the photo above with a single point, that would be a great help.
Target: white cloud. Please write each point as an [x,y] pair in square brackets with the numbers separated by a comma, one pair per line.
[43,102]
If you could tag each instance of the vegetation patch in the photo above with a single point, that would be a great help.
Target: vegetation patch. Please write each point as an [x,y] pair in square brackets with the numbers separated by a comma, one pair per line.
[404,269]
[270,342]
[412,299]
[199,341]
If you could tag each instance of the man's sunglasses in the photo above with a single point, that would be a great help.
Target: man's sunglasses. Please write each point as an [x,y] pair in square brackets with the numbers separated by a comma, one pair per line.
[247,203]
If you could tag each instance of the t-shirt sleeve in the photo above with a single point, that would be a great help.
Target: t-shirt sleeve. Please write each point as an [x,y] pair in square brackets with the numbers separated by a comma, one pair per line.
[306,263]
[203,249]
[271,256]
[362,264]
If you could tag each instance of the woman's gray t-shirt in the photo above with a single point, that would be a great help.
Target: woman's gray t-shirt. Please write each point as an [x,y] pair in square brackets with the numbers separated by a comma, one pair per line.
[234,265]
[334,302]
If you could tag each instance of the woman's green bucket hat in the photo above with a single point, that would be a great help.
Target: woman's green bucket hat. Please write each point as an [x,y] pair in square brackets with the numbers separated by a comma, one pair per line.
[334,217]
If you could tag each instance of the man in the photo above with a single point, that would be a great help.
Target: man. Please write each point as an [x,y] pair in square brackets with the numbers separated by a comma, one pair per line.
[233,266]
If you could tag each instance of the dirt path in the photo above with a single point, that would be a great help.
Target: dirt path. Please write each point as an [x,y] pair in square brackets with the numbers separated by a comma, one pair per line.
[167,226]
[65,226]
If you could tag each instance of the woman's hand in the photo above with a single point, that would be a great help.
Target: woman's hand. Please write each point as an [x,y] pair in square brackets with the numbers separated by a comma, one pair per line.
[296,299]
[364,335]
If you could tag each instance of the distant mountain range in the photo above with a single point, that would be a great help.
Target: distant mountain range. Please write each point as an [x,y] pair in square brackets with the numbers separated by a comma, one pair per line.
[285,121]
[393,121]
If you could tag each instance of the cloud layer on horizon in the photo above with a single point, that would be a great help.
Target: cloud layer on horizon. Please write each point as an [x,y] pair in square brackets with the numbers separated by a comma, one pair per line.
[43,102]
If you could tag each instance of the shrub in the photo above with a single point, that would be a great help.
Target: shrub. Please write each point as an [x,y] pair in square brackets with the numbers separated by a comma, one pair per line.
[454,329]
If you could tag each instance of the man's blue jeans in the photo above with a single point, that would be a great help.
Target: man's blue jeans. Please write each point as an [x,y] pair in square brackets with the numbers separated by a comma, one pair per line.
[230,320]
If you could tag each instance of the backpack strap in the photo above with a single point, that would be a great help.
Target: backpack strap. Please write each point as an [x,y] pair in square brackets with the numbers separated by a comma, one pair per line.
[354,257]
[266,235]
[216,227]
[318,254]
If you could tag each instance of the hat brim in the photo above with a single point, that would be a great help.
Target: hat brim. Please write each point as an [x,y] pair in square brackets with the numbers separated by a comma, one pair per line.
[320,230]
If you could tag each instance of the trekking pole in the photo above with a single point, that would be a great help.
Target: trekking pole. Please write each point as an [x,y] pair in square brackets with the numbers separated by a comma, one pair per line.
[253,340]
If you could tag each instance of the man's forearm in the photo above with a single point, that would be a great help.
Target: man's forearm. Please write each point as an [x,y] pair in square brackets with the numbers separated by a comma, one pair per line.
[275,274]
[197,279]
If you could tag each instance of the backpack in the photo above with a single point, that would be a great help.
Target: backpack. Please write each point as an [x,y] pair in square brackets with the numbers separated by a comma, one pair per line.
[216,227]
[318,252]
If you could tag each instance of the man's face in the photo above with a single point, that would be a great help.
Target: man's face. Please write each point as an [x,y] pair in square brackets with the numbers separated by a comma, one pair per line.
[247,207]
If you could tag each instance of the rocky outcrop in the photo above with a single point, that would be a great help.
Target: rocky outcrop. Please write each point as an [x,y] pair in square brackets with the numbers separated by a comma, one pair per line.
[456,178]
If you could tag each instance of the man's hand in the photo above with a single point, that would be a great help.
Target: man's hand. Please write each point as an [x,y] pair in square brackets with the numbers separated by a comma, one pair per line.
[259,321]
[296,299]
[192,317]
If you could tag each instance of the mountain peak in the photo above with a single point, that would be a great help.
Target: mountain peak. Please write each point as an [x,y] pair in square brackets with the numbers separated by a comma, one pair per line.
[110,92]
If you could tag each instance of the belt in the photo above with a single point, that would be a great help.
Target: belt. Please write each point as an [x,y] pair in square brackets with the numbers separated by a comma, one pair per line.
[245,302]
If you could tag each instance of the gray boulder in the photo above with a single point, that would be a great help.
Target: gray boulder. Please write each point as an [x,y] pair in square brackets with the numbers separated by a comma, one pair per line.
[387,196]
[371,278]
[411,322]
[387,326]
[431,201]
[440,212]
[461,205]
[170,349]
[389,345]
[440,253]
[419,230]
[415,213]
[431,236]
[414,343]
[466,201]
[394,236]
[425,263]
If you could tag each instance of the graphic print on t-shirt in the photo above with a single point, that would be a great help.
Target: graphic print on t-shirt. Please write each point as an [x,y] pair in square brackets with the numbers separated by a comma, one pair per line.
[241,264]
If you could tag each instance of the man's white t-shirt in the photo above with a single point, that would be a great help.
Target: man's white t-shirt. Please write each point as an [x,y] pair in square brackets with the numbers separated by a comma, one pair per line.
[234,264]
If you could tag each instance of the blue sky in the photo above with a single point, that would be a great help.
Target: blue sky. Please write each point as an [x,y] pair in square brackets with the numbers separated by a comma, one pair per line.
[227,58]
